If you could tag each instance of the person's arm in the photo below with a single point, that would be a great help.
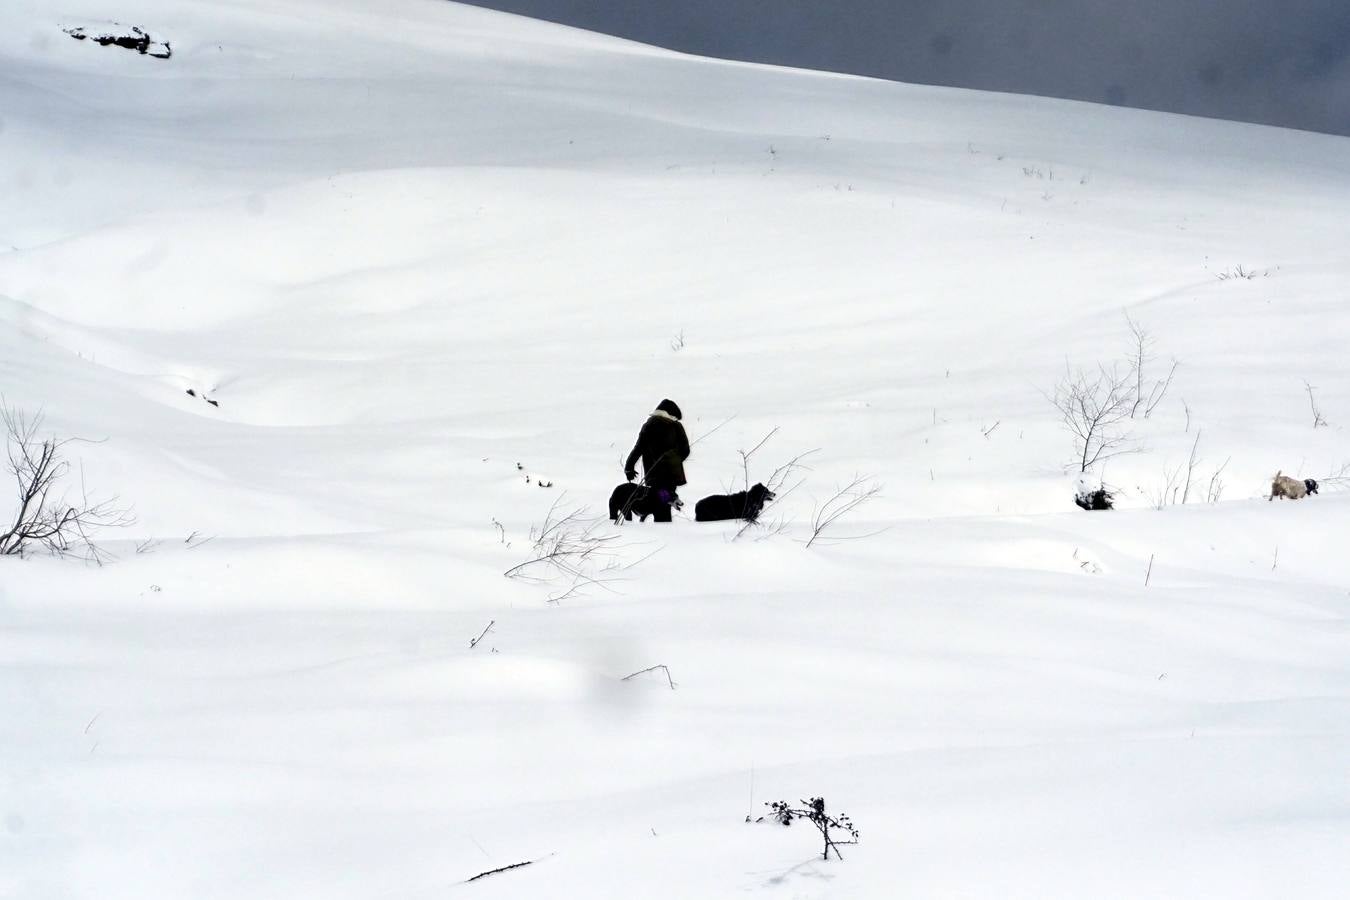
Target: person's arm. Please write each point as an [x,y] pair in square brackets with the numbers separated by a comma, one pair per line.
[682,444]
[630,467]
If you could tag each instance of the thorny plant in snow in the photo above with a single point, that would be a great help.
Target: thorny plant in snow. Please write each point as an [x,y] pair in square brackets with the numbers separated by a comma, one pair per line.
[813,811]
[49,517]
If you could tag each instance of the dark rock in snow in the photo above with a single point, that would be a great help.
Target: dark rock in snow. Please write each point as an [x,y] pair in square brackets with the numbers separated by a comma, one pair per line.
[1098,499]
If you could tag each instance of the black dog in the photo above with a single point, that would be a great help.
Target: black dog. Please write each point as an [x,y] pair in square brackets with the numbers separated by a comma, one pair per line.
[628,499]
[742,505]
[1311,485]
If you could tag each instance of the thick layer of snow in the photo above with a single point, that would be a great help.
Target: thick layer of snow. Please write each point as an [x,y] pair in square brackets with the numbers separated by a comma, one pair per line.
[419,251]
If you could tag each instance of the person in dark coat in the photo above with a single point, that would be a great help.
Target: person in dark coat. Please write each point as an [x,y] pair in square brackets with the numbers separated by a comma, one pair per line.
[663,447]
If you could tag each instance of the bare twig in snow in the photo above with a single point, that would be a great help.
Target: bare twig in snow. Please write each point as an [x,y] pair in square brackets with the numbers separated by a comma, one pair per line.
[1139,356]
[474,642]
[1215,490]
[1159,391]
[845,500]
[1191,463]
[669,680]
[746,454]
[713,430]
[1318,420]
[571,545]
[528,862]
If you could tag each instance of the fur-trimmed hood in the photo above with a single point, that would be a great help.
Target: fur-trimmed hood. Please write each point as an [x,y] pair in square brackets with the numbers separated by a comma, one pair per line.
[668,407]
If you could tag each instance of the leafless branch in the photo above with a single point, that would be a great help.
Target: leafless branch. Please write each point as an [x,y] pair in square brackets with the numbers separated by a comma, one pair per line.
[1338,479]
[474,642]
[571,546]
[652,669]
[1191,463]
[528,862]
[713,430]
[845,500]
[746,454]
[1140,353]
[1159,391]
[1318,420]
[777,478]
[1215,490]
[1094,409]
[1166,493]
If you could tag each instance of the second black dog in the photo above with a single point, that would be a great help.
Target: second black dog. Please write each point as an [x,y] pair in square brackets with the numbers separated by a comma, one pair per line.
[741,505]
[1311,485]
[638,499]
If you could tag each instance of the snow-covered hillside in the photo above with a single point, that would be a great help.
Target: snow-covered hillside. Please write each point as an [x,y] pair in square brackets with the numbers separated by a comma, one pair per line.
[425,257]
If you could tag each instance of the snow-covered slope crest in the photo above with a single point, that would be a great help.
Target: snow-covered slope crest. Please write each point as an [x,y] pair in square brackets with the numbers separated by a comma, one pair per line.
[426,258]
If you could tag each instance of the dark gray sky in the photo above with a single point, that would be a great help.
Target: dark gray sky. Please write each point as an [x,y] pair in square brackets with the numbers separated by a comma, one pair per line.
[1280,62]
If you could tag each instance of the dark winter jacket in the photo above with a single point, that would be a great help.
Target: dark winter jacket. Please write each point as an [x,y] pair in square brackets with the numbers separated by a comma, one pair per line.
[663,447]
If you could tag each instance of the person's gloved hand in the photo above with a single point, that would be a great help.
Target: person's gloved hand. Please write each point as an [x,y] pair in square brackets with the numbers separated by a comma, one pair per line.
[631,473]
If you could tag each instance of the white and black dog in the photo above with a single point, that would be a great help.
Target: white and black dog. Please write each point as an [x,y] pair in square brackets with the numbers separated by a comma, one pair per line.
[741,505]
[1284,486]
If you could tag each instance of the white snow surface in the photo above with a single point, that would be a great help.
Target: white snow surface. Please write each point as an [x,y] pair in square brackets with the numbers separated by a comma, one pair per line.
[419,252]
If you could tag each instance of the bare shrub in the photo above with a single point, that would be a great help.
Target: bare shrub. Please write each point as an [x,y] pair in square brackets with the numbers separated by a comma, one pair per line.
[845,500]
[1094,409]
[1179,482]
[50,515]
[1164,495]
[572,549]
